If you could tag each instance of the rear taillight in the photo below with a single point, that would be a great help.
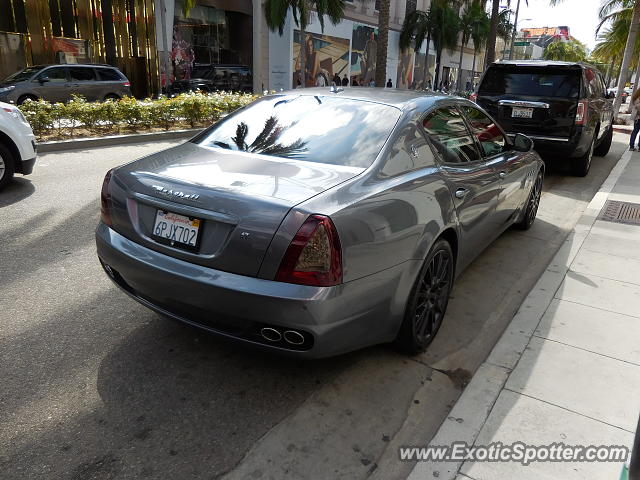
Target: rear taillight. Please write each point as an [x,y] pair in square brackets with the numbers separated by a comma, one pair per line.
[127,84]
[581,112]
[314,256]
[105,199]
[473,97]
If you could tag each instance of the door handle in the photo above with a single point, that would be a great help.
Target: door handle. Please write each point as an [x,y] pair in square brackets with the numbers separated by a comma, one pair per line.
[461,193]
[502,175]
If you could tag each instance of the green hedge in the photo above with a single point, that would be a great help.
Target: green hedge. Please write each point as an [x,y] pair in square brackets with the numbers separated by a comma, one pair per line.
[128,114]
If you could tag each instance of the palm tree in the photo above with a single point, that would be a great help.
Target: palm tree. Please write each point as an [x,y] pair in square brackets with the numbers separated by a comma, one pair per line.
[493,32]
[276,15]
[441,22]
[466,27]
[504,26]
[383,42]
[479,30]
[572,51]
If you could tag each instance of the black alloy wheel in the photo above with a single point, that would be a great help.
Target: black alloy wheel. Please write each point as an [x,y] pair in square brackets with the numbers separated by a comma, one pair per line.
[428,301]
[533,202]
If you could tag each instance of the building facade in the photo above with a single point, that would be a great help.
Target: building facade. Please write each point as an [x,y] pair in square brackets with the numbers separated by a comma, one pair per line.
[118,32]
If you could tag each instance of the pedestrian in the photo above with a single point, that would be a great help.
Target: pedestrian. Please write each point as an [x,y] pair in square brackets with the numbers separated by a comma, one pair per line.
[336,80]
[389,84]
[372,83]
[345,81]
[635,104]
[354,82]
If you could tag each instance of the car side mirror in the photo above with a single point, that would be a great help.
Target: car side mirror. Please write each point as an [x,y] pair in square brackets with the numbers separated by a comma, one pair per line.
[44,79]
[522,143]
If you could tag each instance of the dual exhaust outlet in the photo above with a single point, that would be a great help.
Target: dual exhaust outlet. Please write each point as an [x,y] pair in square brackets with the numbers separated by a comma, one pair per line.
[290,336]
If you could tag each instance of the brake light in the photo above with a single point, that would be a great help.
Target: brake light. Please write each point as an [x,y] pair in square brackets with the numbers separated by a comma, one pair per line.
[105,199]
[473,97]
[314,256]
[127,84]
[581,111]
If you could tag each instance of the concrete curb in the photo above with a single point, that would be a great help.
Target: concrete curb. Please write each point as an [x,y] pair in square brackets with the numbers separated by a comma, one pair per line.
[622,130]
[80,143]
[466,419]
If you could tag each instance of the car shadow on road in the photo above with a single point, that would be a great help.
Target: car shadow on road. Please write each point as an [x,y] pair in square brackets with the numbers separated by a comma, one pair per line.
[16,191]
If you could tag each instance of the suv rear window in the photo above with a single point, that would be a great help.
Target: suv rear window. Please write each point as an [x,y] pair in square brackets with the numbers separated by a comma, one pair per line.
[108,75]
[532,81]
[339,131]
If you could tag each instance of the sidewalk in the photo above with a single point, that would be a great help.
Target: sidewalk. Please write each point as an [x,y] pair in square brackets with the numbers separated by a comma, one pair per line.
[567,369]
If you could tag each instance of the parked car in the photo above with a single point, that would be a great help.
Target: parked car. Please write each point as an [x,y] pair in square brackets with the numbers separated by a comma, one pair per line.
[562,106]
[209,78]
[318,221]
[626,93]
[17,144]
[56,83]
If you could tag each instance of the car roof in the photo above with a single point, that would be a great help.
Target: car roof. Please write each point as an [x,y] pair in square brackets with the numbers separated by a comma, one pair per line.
[541,63]
[74,65]
[394,97]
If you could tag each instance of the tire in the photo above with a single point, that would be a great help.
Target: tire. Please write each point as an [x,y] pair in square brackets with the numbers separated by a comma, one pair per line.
[111,96]
[605,144]
[533,202]
[581,165]
[7,166]
[428,301]
[24,98]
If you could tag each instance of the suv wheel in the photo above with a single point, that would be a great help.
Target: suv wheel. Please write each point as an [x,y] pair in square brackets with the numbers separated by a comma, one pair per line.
[111,96]
[581,165]
[7,166]
[605,144]
[24,98]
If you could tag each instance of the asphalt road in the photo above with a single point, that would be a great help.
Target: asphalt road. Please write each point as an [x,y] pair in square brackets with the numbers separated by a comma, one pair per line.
[94,386]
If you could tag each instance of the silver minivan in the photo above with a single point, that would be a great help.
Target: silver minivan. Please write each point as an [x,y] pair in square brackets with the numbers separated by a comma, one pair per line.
[56,83]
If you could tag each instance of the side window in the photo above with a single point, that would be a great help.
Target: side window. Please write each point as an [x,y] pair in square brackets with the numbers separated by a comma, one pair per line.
[595,89]
[81,74]
[410,152]
[450,137]
[108,75]
[55,75]
[486,131]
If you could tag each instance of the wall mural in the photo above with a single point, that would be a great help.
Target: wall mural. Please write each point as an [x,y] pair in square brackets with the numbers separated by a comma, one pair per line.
[326,58]
[364,45]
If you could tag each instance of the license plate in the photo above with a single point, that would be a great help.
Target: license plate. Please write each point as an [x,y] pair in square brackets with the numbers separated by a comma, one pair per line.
[176,230]
[522,112]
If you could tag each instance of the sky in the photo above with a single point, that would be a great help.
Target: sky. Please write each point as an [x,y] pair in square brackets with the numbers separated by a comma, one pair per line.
[581,16]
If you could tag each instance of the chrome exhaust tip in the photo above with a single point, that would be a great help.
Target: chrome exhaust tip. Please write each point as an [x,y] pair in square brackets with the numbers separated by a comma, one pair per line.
[293,337]
[271,334]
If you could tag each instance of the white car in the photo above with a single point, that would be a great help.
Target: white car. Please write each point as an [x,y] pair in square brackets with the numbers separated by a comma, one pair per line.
[17,144]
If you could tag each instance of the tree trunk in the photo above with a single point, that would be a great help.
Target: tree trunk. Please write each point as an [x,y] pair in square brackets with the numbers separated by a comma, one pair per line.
[426,63]
[437,75]
[473,70]
[303,56]
[460,68]
[491,39]
[626,59]
[632,107]
[513,35]
[610,72]
[383,41]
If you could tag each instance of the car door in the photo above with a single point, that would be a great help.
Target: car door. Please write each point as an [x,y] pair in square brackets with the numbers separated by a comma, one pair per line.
[510,165]
[473,183]
[51,84]
[82,81]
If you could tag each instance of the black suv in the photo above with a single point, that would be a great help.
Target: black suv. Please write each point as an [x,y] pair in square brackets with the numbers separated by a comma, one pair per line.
[563,106]
[209,78]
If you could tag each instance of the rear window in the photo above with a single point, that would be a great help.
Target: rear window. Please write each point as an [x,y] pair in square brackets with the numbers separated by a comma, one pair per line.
[321,129]
[108,75]
[81,74]
[534,81]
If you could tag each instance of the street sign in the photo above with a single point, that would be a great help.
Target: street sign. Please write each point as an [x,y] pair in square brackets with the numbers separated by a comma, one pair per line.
[521,44]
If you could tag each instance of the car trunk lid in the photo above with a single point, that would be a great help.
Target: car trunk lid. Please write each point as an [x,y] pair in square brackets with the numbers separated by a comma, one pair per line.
[239,199]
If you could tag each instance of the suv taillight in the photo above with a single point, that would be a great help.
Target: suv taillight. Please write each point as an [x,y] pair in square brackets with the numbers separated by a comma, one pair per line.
[314,256]
[105,198]
[581,112]
[127,84]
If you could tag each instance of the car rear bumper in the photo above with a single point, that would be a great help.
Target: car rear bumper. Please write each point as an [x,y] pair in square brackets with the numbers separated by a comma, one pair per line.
[332,320]
[561,147]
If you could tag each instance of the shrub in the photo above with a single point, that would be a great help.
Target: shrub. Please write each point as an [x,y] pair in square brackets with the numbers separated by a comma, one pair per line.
[191,109]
